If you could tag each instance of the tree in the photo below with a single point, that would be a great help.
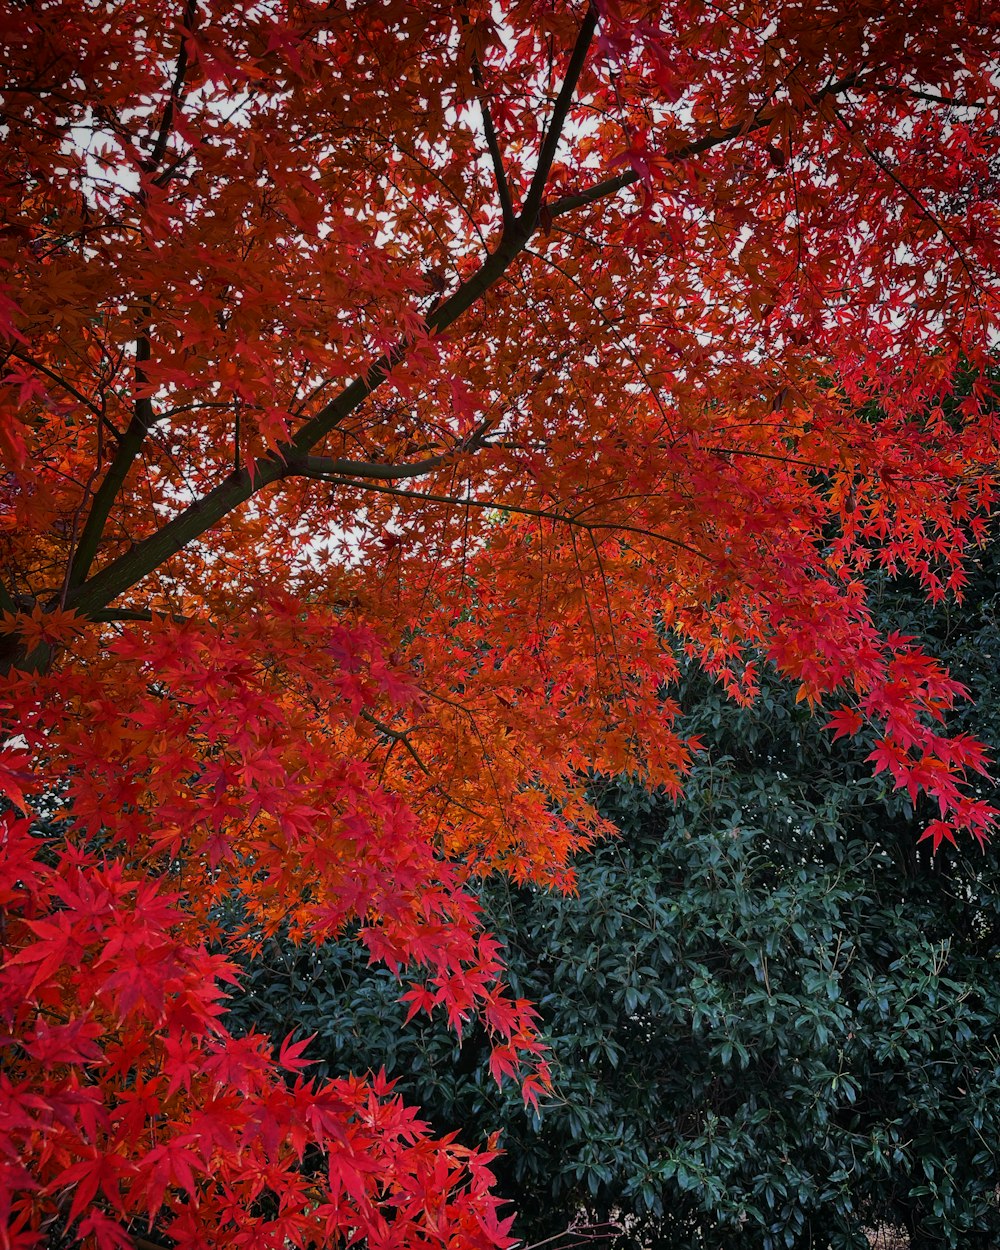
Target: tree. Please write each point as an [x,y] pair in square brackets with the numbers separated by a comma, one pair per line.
[772,1012]
[380,383]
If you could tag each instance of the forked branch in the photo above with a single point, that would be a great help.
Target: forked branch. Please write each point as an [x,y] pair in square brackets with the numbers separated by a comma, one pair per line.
[91,594]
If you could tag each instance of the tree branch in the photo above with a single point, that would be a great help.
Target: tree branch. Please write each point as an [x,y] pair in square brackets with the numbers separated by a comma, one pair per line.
[176,89]
[930,96]
[494,505]
[129,446]
[493,144]
[113,615]
[402,736]
[59,380]
[311,466]
[611,186]
[916,199]
[130,567]
[331,414]
[240,485]
[553,132]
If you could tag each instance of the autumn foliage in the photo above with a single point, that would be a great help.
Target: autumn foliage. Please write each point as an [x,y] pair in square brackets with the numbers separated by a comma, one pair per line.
[388,390]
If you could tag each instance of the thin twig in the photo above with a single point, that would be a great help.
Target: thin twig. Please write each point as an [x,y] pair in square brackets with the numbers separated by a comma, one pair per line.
[300,469]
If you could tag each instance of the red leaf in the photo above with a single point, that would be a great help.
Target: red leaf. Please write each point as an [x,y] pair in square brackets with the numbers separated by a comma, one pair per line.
[938,831]
[289,1057]
[845,722]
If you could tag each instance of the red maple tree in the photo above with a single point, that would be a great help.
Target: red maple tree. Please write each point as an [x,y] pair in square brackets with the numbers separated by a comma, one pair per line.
[388,391]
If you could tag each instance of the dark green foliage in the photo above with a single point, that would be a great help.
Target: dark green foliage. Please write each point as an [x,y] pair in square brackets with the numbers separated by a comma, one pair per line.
[775,1018]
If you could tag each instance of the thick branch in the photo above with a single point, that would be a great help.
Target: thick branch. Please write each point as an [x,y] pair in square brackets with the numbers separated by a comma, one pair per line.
[599,191]
[331,414]
[312,466]
[129,446]
[176,88]
[553,133]
[365,469]
[144,557]
[236,489]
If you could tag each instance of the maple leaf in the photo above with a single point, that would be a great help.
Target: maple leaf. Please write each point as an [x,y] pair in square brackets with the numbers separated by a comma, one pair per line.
[99,1171]
[845,722]
[172,1162]
[290,1054]
[73,1042]
[14,777]
[938,831]
[107,1233]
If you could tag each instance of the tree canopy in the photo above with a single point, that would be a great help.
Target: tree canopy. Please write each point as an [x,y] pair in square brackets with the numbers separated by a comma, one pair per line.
[384,387]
